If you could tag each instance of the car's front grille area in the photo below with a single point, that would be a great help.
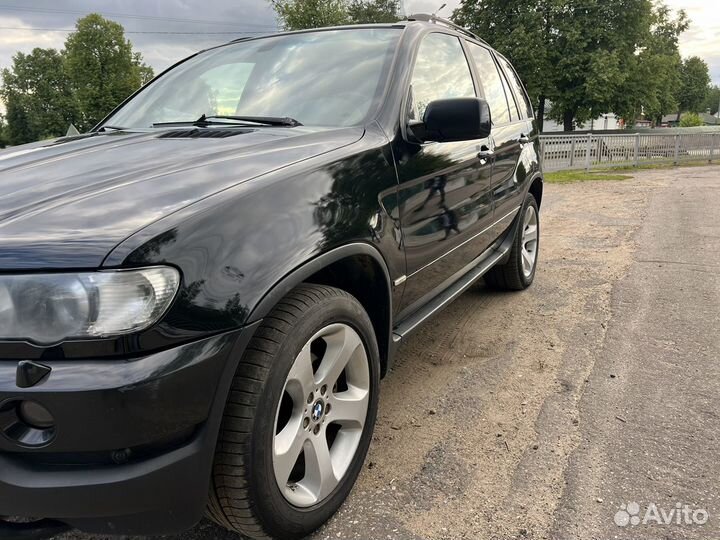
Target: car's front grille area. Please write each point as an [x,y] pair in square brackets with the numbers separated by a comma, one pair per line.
[199,133]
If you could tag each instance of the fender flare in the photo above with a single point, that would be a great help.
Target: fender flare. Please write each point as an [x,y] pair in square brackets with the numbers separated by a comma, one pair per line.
[314,265]
[307,269]
[537,175]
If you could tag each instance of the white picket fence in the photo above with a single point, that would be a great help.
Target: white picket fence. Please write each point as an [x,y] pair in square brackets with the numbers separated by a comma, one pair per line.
[588,151]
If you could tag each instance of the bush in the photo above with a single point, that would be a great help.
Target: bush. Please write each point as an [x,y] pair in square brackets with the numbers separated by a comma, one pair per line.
[691,120]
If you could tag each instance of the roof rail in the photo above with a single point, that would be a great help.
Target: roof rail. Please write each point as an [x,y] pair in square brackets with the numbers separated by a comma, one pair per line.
[243,38]
[426,17]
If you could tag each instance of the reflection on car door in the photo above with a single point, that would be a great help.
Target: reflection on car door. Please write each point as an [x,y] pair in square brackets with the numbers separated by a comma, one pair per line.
[504,131]
[445,188]
[509,174]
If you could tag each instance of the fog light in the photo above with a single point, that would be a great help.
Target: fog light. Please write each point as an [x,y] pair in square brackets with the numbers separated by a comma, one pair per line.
[35,415]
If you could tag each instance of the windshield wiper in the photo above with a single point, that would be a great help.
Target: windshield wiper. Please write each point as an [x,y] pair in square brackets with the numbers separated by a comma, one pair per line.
[205,120]
[264,120]
[114,128]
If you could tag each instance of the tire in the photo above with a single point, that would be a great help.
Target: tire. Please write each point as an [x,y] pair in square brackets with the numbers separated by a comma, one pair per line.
[246,494]
[513,275]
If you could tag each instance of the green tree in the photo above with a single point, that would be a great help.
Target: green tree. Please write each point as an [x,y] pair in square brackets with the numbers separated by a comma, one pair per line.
[301,14]
[596,42]
[691,119]
[695,85]
[653,72]
[102,67]
[712,101]
[3,132]
[38,97]
[373,11]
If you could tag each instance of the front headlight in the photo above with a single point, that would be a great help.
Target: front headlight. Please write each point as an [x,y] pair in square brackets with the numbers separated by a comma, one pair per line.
[50,308]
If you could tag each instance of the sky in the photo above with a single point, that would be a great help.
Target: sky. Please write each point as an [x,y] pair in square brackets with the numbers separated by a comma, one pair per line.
[165,31]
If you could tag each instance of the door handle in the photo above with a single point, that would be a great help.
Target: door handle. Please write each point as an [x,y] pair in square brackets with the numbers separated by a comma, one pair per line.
[485,153]
[524,139]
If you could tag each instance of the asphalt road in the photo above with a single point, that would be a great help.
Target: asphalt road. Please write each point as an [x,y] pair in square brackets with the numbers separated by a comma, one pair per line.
[539,414]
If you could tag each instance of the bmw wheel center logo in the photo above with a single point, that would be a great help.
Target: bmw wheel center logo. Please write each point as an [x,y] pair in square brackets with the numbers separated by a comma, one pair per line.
[318,409]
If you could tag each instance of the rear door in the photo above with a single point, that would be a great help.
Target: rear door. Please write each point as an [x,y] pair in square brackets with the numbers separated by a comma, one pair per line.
[509,178]
[445,191]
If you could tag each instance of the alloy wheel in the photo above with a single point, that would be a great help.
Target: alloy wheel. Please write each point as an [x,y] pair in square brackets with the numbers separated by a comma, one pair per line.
[529,241]
[321,415]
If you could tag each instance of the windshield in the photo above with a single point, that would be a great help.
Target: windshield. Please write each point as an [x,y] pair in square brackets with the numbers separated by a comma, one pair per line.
[328,78]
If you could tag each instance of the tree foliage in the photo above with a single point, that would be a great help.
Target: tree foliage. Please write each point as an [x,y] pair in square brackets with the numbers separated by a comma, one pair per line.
[302,14]
[712,101]
[47,90]
[695,84]
[653,80]
[102,67]
[38,96]
[596,43]
[4,141]
[373,11]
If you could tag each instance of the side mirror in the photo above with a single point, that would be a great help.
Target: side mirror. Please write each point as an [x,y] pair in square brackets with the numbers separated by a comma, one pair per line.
[455,119]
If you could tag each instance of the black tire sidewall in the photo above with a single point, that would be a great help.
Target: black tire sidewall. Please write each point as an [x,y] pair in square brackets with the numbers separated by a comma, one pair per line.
[278,516]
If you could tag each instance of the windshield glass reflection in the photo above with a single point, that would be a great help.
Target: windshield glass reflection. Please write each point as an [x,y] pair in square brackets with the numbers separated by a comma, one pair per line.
[328,78]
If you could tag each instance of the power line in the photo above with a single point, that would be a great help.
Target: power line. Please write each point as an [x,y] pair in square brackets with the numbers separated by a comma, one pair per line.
[144,32]
[131,16]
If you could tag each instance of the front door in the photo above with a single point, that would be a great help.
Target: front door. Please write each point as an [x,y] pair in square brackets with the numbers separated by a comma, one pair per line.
[508,128]
[445,192]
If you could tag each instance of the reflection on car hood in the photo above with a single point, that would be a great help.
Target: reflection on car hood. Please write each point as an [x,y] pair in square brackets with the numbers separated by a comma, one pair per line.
[66,203]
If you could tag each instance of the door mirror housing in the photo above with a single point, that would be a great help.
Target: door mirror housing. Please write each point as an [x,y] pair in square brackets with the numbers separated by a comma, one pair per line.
[454,119]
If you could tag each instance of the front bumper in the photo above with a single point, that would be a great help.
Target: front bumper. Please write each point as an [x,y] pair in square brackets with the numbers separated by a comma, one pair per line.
[133,443]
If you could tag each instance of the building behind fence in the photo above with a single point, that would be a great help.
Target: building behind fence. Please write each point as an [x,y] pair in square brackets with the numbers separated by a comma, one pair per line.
[591,150]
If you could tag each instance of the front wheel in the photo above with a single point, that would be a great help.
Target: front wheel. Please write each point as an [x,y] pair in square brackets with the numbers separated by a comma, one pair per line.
[299,418]
[519,271]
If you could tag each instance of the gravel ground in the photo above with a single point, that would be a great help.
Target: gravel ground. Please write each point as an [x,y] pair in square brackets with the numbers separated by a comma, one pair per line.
[538,414]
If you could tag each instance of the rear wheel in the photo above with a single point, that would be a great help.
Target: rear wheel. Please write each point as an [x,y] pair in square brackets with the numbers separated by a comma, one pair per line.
[519,271]
[300,416]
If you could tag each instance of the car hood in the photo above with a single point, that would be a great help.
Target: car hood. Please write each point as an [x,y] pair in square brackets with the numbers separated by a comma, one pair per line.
[67,202]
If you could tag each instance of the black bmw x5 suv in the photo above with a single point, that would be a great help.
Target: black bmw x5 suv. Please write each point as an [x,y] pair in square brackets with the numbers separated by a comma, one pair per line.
[201,295]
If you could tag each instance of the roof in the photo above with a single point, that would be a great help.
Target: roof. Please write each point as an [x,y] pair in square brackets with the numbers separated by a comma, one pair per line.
[707,118]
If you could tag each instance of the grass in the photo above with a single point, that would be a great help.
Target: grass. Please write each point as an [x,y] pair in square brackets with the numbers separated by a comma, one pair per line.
[567,177]
[611,174]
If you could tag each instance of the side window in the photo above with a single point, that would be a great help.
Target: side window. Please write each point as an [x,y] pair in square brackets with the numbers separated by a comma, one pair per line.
[514,111]
[492,84]
[441,71]
[517,85]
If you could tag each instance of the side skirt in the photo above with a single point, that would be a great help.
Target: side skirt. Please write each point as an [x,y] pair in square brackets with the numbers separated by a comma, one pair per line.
[497,253]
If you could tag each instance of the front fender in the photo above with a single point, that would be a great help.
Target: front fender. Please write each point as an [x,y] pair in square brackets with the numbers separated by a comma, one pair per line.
[242,250]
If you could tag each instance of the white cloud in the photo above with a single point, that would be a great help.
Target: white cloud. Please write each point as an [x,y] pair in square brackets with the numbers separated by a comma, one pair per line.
[703,37]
